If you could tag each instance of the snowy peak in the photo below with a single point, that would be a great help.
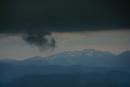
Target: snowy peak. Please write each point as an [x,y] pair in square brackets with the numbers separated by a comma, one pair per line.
[87,57]
[85,52]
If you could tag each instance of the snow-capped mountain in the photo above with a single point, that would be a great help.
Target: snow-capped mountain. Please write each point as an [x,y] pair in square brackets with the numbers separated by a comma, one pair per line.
[66,62]
[87,57]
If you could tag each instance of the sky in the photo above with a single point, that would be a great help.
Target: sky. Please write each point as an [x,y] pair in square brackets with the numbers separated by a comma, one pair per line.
[115,41]
[28,27]
[63,13]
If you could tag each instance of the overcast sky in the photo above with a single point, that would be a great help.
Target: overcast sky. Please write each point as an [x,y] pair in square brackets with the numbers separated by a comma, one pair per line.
[115,41]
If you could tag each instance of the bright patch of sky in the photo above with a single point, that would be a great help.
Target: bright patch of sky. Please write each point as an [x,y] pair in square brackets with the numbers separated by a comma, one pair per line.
[115,41]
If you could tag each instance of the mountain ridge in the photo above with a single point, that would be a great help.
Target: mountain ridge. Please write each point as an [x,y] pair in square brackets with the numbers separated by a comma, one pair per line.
[85,57]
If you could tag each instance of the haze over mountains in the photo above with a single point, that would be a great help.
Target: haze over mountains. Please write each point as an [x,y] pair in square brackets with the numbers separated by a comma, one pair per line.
[87,57]
[86,64]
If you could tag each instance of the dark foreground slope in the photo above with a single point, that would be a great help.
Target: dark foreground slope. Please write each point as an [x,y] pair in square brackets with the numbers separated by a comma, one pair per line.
[92,79]
[87,68]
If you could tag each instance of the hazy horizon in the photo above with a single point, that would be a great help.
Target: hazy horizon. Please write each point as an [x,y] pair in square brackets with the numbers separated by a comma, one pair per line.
[115,41]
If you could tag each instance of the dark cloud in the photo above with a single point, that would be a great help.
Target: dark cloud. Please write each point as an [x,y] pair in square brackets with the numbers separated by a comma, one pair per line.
[66,13]
[42,40]
[61,16]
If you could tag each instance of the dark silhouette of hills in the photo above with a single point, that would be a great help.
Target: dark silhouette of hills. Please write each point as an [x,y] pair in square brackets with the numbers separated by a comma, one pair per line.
[124,59]
[109,79]
[86,68]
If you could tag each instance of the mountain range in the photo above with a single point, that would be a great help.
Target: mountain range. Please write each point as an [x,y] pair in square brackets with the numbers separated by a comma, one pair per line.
[88,60]
[87,57]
